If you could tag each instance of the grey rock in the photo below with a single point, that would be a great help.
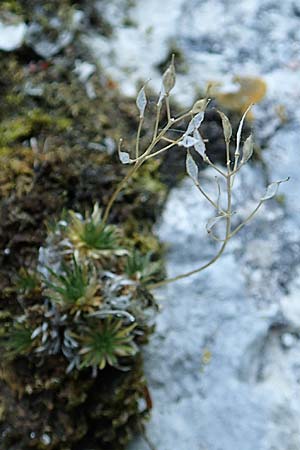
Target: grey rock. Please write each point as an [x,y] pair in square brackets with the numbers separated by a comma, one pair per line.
[12,35]
[44,45]
[224,365]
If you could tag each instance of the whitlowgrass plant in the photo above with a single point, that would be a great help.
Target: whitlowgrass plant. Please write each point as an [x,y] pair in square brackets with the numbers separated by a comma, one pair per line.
[162,140]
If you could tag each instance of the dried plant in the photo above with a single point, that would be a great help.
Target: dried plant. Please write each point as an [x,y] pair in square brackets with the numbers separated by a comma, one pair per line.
[162,140]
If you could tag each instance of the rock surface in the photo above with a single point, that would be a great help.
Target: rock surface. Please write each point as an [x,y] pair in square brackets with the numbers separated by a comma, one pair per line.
[224,367]
[12,35]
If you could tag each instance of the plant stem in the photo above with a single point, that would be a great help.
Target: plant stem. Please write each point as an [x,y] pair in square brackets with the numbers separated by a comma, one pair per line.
[237,229]
[118,190]
[138,137]
[156,122]
[168,107]
[208,198]
[215,258]
[192,272]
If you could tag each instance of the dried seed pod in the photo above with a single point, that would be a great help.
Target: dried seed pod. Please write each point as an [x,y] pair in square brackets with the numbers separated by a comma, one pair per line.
[141,101]
[272,190]
[169,77]
[227,130]
[191,167]
[199,145]
[199,106]
[247,149]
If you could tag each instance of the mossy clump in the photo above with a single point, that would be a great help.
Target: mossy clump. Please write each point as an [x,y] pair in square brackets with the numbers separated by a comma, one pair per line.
[72,340]
[32,122]
[54,142]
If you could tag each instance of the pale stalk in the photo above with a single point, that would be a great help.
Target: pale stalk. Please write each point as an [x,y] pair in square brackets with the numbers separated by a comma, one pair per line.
[208,161]
[138,137]
[228,158]
[138,162]
[237,229]
[168,107]
[156,122]
[167,147]
[208,198]
[118,190]
[215,258]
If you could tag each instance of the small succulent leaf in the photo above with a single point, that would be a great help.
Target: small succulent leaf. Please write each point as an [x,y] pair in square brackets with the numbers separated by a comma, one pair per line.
[272,190]
[187,141]
[227,130]
[199,145]
[240,128]
[199,106]
[212,222]
[191,167]
[169,78]
[141,101]
[247,149]
[124,157]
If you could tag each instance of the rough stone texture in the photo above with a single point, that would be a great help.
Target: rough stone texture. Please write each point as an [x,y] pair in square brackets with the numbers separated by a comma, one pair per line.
[16,33]
[225,362]
[224,367]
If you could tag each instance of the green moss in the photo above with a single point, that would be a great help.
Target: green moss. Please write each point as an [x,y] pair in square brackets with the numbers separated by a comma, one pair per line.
[22,127]
[14,99]
[13,6]
[13,130]
[76,410]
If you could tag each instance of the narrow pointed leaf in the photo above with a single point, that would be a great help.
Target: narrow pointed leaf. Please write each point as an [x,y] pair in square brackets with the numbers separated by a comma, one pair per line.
[191,167]
[141,101]
[169,78]
[247,149]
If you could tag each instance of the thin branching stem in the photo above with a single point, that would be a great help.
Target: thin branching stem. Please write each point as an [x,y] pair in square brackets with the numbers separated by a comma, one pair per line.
[168,107]
[208,161]
[142,158]
[167,147]
[137,144]
[214,204]
[215,258]
[164,138]
[119,189]
[156,122]
[238,228]
[228,162]
[159,135]
[192,272]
